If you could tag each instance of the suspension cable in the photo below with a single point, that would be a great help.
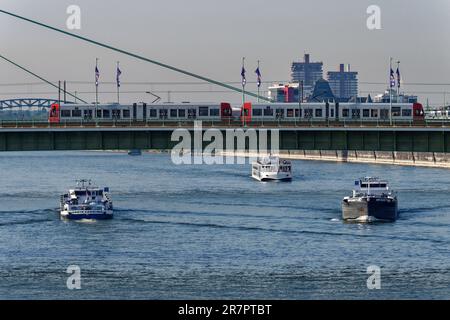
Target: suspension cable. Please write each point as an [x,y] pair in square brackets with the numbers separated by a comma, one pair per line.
[218,83]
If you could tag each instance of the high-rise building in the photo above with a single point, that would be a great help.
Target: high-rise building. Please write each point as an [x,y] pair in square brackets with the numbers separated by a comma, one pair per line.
[307,71]
[344,84]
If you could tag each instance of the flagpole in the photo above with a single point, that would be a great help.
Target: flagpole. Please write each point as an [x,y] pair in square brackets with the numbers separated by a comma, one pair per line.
[118,85]
[258,84]
[390,90]
[96,82]
[398,80]
[243,82]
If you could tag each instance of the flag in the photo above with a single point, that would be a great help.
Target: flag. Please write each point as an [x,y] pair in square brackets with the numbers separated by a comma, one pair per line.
[117,77]
[392,79]
[398,77]
[97,75]
[258,74]
[244,80]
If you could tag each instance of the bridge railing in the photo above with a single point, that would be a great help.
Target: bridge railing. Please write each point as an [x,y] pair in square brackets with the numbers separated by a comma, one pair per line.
[281,123]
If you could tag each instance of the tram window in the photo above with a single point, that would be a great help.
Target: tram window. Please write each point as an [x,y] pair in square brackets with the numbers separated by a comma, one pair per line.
[298,113]
[280,113]
[214,112]
[126,113]
[332,113]
[345,113]
[65,113]
[308,113]
[268,111]
[76,113]
[173,113]
[181,113]
[203,111]
[152,113]
[99,113]
[366,113]
[374,113]
[318,113]
[356,113]
[290,113]
[406,112]
[106,113]
[116,114]
[257,112]
[396,111]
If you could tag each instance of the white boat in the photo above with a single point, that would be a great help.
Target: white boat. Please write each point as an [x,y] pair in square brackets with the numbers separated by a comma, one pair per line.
[86,201]
[272,168]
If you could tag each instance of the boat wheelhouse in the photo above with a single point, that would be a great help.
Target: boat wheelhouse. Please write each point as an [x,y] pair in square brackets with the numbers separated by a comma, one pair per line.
[86,201]
[371,200]
[272,168]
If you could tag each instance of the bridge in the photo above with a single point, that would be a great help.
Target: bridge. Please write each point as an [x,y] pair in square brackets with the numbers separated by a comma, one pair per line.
[89,135]
[27,103]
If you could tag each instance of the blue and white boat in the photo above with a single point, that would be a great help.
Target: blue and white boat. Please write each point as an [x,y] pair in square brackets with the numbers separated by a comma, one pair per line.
[86,201]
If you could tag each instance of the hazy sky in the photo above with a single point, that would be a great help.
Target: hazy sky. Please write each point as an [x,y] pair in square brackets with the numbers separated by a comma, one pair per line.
[210,37]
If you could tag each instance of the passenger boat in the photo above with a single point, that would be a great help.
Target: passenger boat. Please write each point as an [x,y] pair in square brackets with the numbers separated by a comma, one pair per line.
[371,200]
[272,168]
[86,201]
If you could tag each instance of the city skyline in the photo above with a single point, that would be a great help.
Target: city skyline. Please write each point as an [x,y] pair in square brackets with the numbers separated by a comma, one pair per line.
[212,29]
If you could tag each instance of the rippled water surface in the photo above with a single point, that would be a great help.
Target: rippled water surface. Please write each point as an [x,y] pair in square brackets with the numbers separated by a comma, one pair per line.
[188,232]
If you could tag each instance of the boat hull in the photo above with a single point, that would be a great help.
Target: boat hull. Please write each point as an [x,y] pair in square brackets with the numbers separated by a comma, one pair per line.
[272,177]
[370,209]
[86,216]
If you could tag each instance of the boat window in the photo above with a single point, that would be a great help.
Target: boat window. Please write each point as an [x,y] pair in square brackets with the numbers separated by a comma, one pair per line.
[257,112]
[173,113]
[268,111]
[126,113]
[203,111]
[214,112]
[182,113]
[65,113]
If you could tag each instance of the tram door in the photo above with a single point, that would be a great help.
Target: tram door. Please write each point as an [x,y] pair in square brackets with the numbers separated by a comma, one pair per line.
[336,112]
[327,110]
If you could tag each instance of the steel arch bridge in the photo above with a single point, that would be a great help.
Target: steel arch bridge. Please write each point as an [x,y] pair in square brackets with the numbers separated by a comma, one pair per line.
[27,103]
